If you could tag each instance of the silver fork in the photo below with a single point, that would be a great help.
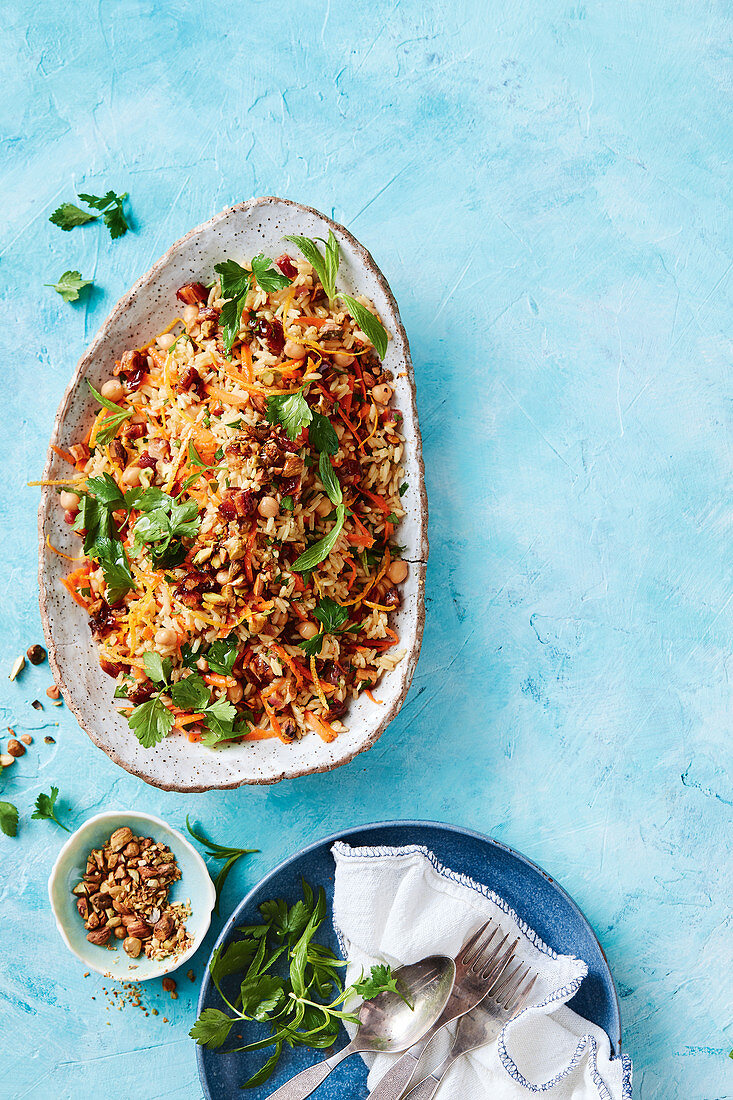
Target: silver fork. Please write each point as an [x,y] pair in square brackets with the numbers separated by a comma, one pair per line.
[479,964]
[507,996]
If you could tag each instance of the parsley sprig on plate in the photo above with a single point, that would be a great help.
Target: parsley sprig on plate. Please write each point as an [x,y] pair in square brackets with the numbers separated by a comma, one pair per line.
[289,982]
[333,619]
[236,282]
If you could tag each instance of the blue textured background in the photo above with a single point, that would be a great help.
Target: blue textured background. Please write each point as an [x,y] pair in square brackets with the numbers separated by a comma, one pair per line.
[544,185]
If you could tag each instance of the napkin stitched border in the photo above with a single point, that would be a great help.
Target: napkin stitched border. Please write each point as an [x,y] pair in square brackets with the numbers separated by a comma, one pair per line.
[565,993]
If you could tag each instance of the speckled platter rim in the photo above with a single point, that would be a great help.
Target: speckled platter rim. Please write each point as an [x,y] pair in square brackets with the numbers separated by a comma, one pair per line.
[403,672]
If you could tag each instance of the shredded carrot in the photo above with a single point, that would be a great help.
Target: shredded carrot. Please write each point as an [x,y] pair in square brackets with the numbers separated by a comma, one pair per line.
[60,553]
[248,552]
[258,734]
[277,728]
[361,536]
[64,454]
[317,684]
[215,680]
[206,443]
[320,726]
[194,736]
[289,662]
[183,720]
[377,606]
[380,502]
[376,425]
[392,634]
[228,398]
[317,322]
[348,424]
[72,583]
[352,578]
[367,691]
[326,393]
[247,362]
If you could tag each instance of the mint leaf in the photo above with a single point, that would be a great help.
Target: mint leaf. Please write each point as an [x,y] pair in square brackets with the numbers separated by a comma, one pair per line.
[325,266]
[368,323]
[69,285]
[322,434]
[331,483]
[320,550]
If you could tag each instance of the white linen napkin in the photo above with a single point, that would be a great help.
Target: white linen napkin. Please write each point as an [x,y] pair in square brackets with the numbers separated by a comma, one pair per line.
[400,904]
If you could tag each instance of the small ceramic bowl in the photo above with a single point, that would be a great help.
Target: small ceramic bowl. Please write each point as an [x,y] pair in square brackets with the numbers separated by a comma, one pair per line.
[194,886]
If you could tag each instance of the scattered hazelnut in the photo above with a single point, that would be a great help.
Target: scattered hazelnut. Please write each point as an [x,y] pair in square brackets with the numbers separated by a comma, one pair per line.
[15,748]
[53,692]
[6,760]
[132,946]
[169,985]
[26,739]
[36,654]
[50,740]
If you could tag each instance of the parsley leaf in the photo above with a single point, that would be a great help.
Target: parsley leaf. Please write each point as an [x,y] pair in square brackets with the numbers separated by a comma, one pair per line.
[157,667]
[325,266]
[320,550]
[380,980]
[112,206]
[290,410]
[118,577]
[222,654]
[67,216]
[372,328]
[192,693]
[165,522]
[212,1028]
[331,614]
[322,434]
[312,646]
[69,285]
[403,488]
[269,277]
[45,808]
[286,503]
[235,282]
[151,722]
[8,818]
[330,481]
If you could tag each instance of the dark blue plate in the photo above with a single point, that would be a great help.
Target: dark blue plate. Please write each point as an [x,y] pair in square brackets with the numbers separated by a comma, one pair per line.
[533,895]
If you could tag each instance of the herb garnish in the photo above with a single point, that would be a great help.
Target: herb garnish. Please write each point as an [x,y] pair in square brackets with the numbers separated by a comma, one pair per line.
[8,818]
[333,619]
[165,522]
[45,808]
[152,721]
[236,282]
[69,285]
[67,216]
[320,550]
[291,410]
[107,430]
[285,1000]
[220,655]
[326,268]
[218,851]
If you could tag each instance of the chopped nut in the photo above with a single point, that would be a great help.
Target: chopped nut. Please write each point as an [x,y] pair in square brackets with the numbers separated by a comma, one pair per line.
[53,692]
[50,740]
[36,654]
[132,946]
[15,748]
[119,838]
[99,935]
[37,704]
[169,985]
[6,760]
[190,975]
[26,739]
[18,666]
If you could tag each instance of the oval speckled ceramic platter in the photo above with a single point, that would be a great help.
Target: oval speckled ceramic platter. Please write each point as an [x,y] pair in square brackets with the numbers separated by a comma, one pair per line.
[238,232]
[525,887]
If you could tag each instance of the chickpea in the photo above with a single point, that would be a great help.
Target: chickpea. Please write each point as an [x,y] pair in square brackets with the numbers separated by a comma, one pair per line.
[343,359]
[295,351]
[323,507]
[268,507]
[307,630]
[382,394]
[165,341]
[190,315]
[69,501]
[131,476]
[113,390]
[397,572]
[235,693]
[165,638]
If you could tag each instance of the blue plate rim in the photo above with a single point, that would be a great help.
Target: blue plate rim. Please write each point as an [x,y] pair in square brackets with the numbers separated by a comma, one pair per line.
[616,1038]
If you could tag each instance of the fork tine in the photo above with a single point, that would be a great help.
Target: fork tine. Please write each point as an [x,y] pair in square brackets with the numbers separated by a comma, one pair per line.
[477,944]
[485,958]
[507,982]
[522,995]
[497,965]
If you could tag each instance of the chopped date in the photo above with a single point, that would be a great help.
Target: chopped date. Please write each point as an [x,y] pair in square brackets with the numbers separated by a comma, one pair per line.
[291,486]
[349,471]
[79,452]
[110,667]
[271,332]
[208,320]
[141,693]
[118,453]
[101,619]
[336,709]
[134,431]
[238,504]
[287,729]
[391,599]
[192,380]
[146,461]
[192,293]
[133,366]
[287,266]
[192,587]
[260,670]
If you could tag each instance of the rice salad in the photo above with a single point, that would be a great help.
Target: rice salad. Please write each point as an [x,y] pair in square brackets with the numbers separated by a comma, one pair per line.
[237,498]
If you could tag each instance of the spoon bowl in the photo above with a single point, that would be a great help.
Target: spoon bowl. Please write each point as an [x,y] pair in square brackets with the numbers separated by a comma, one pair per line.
[391,1023]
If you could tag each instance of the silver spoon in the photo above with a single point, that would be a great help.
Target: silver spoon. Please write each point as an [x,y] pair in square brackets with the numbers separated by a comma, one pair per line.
[387,1024]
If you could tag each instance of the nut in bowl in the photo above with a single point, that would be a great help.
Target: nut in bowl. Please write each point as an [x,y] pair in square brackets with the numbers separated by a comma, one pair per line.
[163,901]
